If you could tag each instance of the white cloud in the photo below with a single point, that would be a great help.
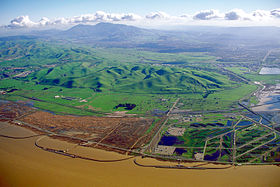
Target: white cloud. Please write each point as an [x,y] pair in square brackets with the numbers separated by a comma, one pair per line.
[131,17]
[101,16]
[261,15]
[185,16]
[204,17]
[82,18]
[275,13]
[158,15]
[60,21]
[45,21]
[208,15]
[21,21]
[121,17]
[237,14]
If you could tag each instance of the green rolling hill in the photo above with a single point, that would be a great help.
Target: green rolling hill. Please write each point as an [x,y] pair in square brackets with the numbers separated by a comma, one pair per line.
[131,78]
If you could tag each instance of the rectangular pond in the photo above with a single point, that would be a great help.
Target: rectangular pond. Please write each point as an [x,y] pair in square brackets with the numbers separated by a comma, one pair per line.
[269,71]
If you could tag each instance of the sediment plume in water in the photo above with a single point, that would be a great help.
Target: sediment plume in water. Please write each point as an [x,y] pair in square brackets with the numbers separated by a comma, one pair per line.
[23,164]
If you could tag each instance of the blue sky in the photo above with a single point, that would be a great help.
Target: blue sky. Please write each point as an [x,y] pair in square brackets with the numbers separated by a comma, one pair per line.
[37,9]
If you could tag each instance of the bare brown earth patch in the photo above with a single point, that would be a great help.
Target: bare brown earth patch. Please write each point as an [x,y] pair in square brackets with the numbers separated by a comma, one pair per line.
[124,132]
[11,110]
[115,131]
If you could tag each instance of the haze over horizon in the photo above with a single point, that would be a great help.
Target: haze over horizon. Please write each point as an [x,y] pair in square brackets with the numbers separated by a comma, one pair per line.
[157,14]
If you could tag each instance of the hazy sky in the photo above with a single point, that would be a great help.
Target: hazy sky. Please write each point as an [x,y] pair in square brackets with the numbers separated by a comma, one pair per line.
[53,9]
[36,9]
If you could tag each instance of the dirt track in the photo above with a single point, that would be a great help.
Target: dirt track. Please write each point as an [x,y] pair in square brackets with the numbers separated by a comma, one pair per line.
[123,131]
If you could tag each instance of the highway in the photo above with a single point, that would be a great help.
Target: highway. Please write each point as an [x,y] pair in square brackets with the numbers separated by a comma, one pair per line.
[254,112]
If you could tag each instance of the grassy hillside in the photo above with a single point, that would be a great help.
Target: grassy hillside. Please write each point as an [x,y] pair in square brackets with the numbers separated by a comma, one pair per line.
[131,78]
[34,53]
[81,80]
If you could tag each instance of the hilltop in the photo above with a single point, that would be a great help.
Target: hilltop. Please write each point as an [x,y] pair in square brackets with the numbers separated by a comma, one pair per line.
[132,78]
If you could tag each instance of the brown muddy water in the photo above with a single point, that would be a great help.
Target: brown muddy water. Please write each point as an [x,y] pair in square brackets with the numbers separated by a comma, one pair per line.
[23,164]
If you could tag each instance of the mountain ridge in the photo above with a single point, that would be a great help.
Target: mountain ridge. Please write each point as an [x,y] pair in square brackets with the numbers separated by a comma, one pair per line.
[108,32]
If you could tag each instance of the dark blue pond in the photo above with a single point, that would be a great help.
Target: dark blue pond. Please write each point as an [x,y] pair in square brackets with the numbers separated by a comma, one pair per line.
[227,137]
[180,151]
[244,123]
[229,123]
[257,118]
[169,141]
[206,125]
[274,143]
[214,156]
[198,125]
[219,124]
[254,117]
[264,121]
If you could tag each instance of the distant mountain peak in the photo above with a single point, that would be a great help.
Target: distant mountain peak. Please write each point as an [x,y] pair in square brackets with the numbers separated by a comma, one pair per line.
[107,32]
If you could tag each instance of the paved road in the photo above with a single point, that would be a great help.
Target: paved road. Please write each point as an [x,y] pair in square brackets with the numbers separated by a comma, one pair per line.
[176,102]
[153,143]
[267,54]
[254,112]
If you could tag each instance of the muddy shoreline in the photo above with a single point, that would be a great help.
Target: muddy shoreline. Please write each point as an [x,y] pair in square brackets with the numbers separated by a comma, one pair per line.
[22,164]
